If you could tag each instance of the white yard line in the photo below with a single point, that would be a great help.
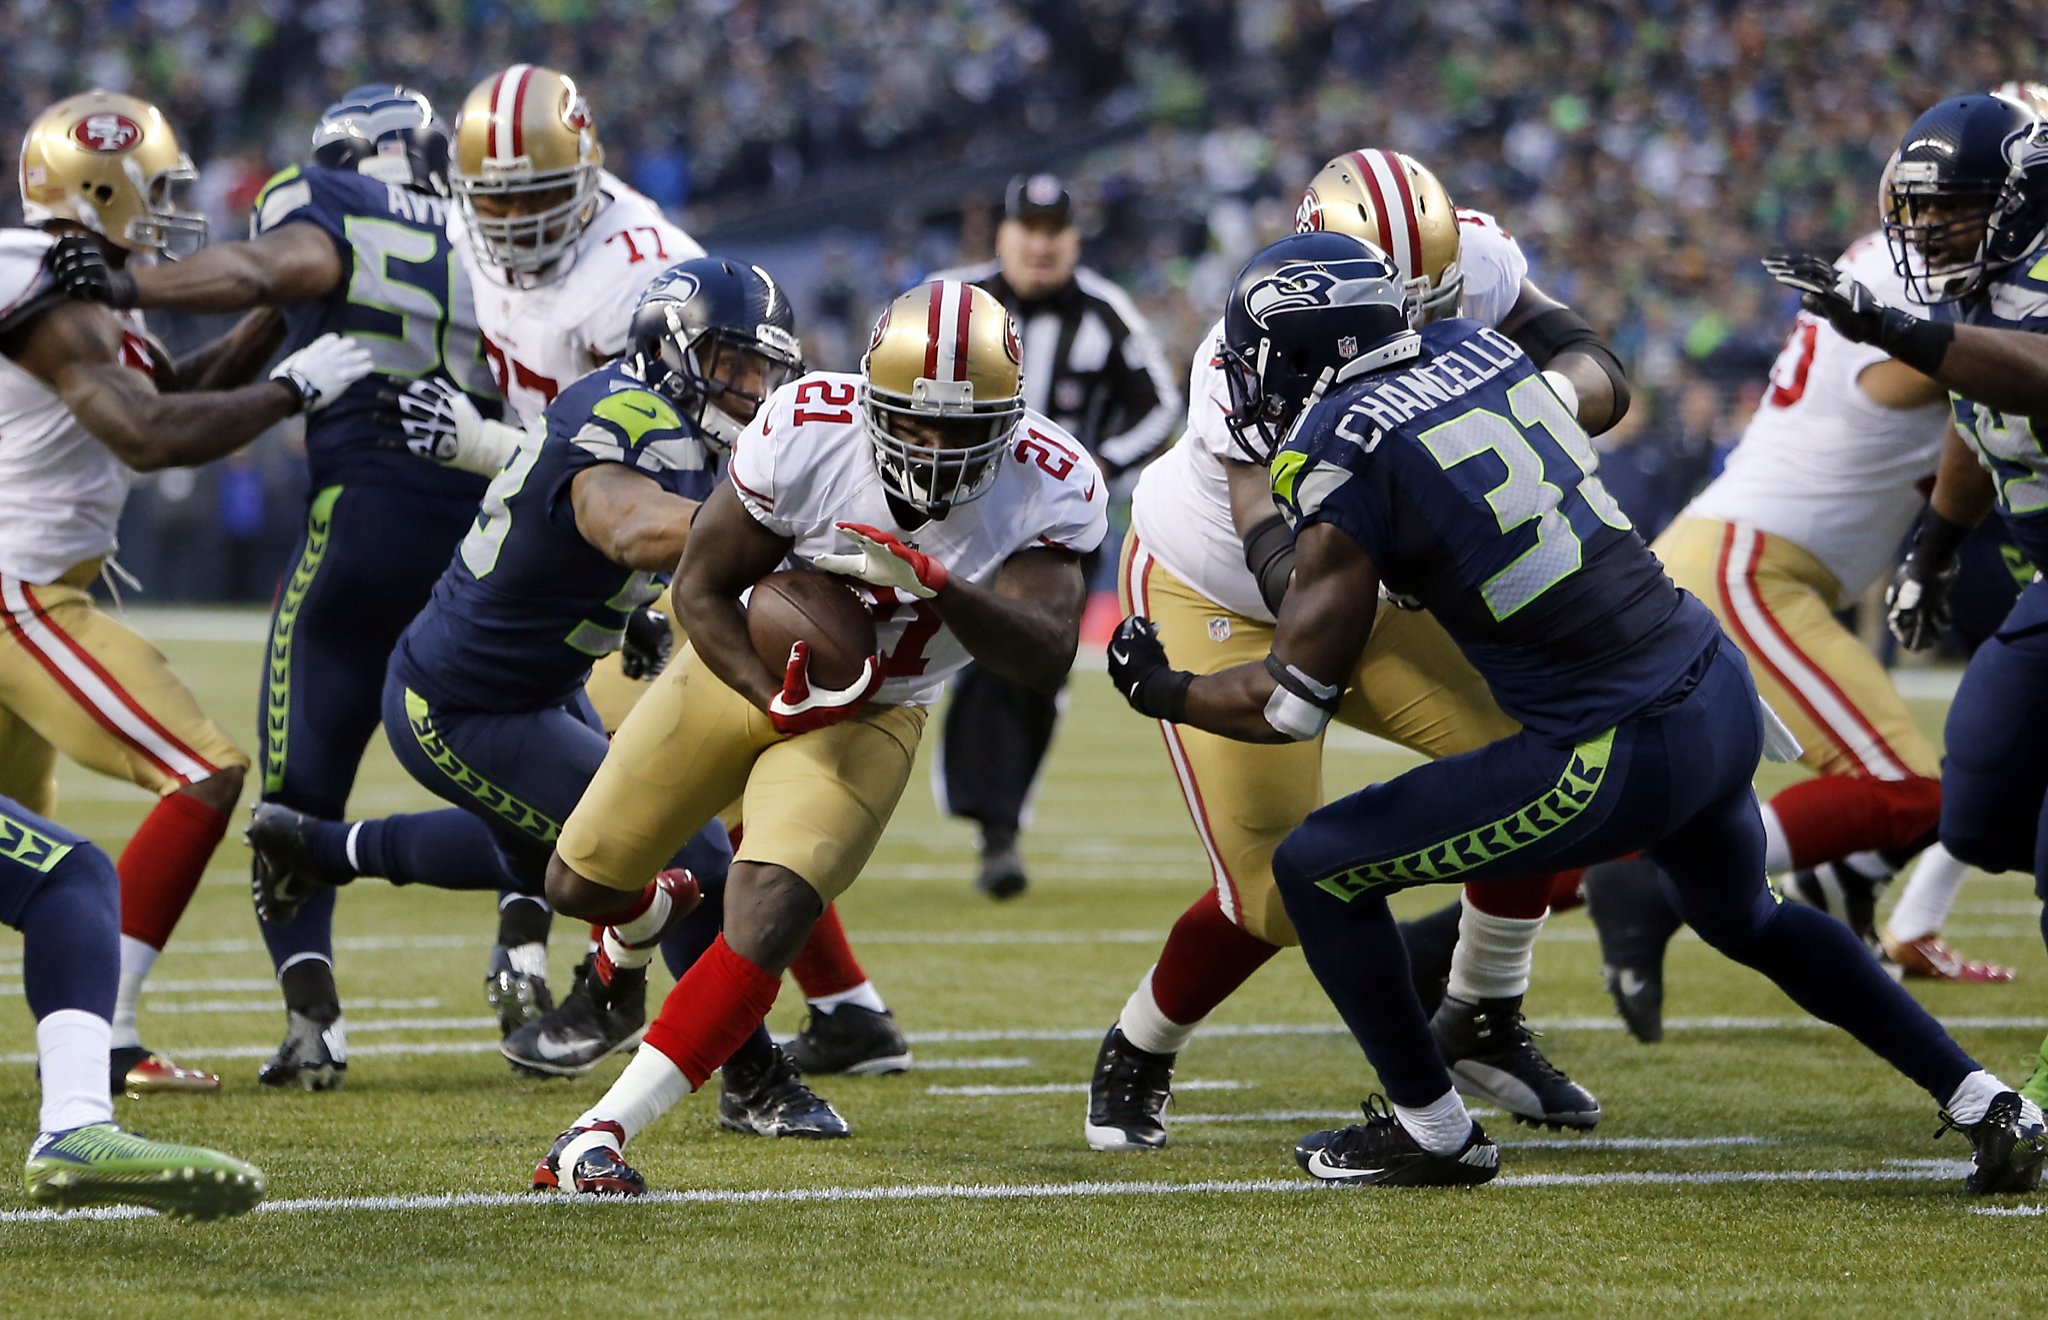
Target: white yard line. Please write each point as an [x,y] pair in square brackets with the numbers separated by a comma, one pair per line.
[1067,1088]
[273,1005]
[2017,1211]
[1012,1192]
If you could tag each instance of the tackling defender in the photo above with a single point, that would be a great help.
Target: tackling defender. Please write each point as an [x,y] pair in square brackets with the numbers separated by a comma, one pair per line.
[1443,465]
[924,476]
[85,398]
[353,243]
[1210,560]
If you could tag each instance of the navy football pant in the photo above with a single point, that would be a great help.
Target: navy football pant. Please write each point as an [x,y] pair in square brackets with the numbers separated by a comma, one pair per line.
[1994,778]
[1674,782]
[366,564]
[61,893]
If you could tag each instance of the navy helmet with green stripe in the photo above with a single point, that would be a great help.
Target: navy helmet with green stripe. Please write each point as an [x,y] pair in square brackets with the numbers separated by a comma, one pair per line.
[388,132]
[716,337]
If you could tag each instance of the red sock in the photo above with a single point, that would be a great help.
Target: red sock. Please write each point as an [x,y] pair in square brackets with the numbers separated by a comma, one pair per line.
[162,864]
[1564,889]
[1206,958]
[1828,818]
[826,965]
[1525,898]
[712,1011]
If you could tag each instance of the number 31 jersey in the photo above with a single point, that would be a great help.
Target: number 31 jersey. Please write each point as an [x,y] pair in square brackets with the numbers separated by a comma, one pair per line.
[805,464]
[539,337]
[1471,487]
[404,298]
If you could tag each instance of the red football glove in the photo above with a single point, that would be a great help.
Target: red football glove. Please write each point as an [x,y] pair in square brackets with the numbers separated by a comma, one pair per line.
[884,561]
[800,707]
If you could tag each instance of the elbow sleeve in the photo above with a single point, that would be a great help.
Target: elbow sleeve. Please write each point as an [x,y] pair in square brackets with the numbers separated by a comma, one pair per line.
[1269,554]
[1561,330]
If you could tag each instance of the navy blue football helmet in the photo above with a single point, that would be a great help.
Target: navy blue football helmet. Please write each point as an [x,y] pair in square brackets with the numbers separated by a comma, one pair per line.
[1966,195]
[715,337]
[1308,312]
[387,132]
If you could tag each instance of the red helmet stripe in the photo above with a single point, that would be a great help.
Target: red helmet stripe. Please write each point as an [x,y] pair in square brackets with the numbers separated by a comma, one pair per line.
[931,332]
[1370,178]
[1383,179]
[1408,213]
[960,335]
[519,112]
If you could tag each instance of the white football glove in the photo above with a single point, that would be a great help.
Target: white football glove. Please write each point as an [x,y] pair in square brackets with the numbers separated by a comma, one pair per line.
[883,560]
[322,370]
[440,423]
[1566,392]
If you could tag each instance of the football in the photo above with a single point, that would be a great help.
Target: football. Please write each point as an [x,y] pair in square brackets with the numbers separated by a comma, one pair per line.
[805,605]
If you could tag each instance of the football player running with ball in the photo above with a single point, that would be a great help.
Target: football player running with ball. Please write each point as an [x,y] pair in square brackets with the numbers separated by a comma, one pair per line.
[1209,561]
[964,516]
[1445,466]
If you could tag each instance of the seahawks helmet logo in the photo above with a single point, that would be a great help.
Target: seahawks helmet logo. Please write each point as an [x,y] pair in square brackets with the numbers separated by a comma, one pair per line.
[1313,286]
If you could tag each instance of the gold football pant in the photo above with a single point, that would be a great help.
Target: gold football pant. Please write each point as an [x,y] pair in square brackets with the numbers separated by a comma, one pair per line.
[1412,686]
[75,680]
[815,803]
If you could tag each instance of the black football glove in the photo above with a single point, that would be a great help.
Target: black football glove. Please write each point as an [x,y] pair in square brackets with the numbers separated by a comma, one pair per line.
[1916,604]
[1140,670]
[1856,314]
[423,416]
[82,272]
[648,643]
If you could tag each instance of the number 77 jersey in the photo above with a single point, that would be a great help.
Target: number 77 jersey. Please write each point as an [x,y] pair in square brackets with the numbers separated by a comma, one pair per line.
[1474,491]
[805,464]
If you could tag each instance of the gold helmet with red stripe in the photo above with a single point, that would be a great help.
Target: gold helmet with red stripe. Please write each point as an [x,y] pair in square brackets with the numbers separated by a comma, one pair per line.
[2032,95]
[110,162]
[942,389]
[1388,199]
[526,169]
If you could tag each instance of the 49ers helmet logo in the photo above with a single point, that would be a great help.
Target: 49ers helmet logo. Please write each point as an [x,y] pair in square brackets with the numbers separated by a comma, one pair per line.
[1010,344]
[107,132]
[881,328]
[1308,217]
[575,110]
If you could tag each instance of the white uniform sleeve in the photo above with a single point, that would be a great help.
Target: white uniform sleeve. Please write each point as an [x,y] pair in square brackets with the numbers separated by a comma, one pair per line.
[1494,267]
[1076,495]
[630,245]
[1209,397]
[754,454]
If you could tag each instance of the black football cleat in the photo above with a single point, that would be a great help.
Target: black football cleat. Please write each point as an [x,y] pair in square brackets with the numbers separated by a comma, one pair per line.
[1635,923]
[600,1170]
[1493,1057]
[595,1022]
[2007,1146]
[1379,1152]
[282,872]
[766,1098]
[1847,895]
[849,1039]
[1431,940]
[1001,874]
[314,1056]
[1127,1096]
[516,998]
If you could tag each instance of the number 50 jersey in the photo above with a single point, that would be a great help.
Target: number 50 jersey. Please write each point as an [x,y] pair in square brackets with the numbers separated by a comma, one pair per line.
[404,298]
[1473,490]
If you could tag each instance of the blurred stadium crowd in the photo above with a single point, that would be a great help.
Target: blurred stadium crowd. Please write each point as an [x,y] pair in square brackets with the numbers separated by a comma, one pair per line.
[1644,152]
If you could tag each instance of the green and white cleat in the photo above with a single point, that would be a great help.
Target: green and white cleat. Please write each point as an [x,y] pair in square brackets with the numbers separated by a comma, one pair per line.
[99,1164]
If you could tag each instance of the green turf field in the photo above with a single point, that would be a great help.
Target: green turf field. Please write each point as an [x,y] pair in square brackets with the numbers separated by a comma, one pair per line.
[1751,1164]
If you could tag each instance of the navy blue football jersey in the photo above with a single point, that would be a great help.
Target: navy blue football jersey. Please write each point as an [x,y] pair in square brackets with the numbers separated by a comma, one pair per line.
[527,604]
[2013,449]
[406,298]
[1473,490]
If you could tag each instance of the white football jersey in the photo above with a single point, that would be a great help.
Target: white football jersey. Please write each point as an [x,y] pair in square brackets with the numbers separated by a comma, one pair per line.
[805,464]
[1823,465]
[1181,507]
[61,489]
[540,339]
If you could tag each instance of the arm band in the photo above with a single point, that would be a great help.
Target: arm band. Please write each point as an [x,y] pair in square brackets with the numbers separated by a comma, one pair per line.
[1269,554]
[1919,344]
[1558,329]
[1300,707]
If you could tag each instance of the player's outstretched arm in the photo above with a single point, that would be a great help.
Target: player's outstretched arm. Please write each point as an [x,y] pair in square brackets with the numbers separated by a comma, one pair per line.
[629,519]
[727,553]
[1562,342]
[232,359]
[291,263]
[1291,694]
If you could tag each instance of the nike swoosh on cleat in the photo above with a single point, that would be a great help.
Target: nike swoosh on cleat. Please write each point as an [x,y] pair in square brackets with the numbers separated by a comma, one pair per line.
[1121,657]
[1319,1165]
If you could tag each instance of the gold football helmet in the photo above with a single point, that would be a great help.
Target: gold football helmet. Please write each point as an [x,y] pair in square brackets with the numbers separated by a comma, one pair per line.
[526,168]
[110,162]
[1388,199]
[2032,95]
[942,390]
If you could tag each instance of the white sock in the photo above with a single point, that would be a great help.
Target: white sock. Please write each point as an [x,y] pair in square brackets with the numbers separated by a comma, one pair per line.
[1777,852]
[1146,1027]
[1493,955]
[623,957]
[1440,1127]
[1870,864]
[1974,1096]
[649,923]
[864,995]
[650,1087]
[71,1050]
[136,960]
[1930,893]
[529,959]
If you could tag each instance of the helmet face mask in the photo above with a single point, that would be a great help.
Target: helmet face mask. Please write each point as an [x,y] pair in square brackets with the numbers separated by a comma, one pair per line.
[941,395]
[1966,196]
[526,170]
[716,338]
[110,163]
[385,132]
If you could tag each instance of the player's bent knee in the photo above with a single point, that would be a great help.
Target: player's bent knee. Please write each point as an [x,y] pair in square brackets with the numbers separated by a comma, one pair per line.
[1987,847]
[220,790]
[572,895]
[769,913]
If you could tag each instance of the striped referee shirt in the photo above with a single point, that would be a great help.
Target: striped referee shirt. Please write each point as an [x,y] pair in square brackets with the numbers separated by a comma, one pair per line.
[1092,364]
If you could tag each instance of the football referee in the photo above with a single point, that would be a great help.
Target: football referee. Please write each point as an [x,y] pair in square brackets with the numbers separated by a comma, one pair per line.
[1091,364]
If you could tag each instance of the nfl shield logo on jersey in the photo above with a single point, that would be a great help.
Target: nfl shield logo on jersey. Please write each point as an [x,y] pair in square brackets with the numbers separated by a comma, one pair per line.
[1219,628]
